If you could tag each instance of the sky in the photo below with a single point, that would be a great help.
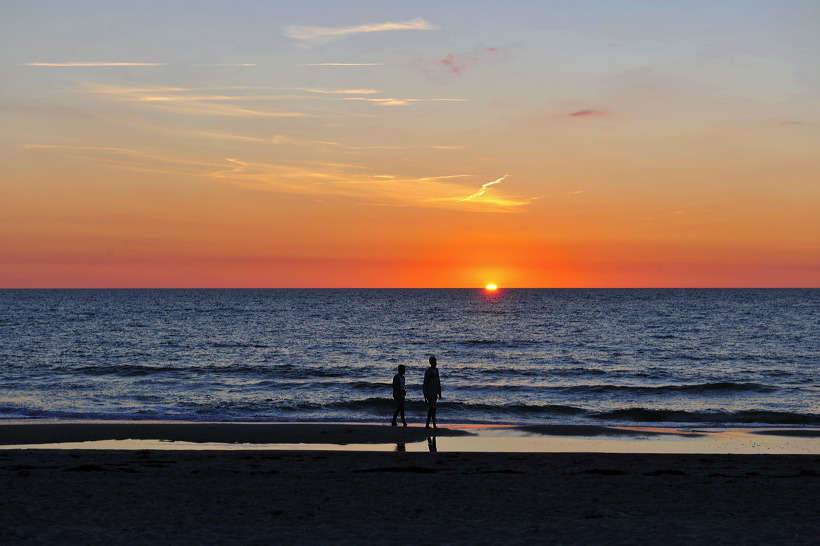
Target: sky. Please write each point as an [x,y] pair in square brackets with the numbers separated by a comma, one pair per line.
[433,143]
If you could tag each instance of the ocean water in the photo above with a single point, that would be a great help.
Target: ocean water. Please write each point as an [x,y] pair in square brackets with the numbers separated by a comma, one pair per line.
[618,357]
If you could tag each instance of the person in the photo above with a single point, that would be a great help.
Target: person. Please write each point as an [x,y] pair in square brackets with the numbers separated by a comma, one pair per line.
[432,391]
[399,392]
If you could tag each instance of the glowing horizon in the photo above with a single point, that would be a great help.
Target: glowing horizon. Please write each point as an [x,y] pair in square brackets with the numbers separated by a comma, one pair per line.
[425,145]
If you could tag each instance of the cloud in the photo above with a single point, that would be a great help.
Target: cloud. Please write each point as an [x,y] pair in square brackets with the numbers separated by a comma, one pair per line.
[135,160]
[588,114]
[372,189]
[224,65]
[345,64]
[285,140]
[339,91]
[455,64]
[197,106]
[204,101]
[401,102]
[148,93]
[183,101]
[92,64]
[318,178]
[81,148]
[310,36]
[483,189]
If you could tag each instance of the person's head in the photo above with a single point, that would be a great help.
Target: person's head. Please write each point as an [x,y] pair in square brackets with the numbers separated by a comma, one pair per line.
[432,362]
[401,369]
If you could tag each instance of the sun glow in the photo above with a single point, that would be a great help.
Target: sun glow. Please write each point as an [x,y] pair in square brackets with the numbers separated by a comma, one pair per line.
[491,287]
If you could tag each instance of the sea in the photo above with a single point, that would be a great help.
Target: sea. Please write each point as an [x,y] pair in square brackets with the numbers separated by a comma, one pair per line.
[632,357]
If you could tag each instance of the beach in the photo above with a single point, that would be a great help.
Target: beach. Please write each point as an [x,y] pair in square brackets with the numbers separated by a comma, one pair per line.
[303,496]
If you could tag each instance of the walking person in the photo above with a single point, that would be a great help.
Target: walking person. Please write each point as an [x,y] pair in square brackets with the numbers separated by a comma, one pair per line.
[399,393]
[432,391]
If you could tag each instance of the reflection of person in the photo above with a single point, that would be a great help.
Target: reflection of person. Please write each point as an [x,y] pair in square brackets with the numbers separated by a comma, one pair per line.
[432,391]
[399,392]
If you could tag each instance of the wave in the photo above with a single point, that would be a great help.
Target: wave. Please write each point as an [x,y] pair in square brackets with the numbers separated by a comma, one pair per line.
[528,412]
[503,343]
[238,345]
[287,370]
[726,387]
[644,415]
[368,409]
[710,389]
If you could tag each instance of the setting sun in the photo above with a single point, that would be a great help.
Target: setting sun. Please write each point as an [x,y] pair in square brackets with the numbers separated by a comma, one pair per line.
[491,287]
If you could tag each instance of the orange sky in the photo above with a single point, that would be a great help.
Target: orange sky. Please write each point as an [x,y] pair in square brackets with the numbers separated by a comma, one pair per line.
[427,145]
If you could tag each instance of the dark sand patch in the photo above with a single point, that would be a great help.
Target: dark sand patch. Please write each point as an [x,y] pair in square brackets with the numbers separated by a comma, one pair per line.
[400,498]
[791,432]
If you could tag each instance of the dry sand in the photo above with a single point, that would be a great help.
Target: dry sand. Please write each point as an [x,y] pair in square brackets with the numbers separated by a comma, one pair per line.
[301,497]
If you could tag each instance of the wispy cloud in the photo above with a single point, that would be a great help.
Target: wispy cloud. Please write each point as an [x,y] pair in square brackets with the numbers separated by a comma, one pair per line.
[224,110]
[225,101]
[481,201]
[144,92]
[79,148]
[227,65]
[319,178]
[310,36]
[484,187]
[401,102]
[135,160]
[92,64]
[375,189]
[282,139]
[455,64]
[338,91]
[345,64]
[186,101]
[588,114]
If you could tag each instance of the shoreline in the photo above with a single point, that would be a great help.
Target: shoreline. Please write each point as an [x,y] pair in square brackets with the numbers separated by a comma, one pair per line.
[380,437]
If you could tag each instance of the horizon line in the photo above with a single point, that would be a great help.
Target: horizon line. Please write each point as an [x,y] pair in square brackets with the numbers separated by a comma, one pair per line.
[499,289]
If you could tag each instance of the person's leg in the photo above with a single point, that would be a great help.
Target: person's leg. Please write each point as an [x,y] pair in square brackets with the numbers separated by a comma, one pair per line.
[433,409]
[396,414]
[400,409]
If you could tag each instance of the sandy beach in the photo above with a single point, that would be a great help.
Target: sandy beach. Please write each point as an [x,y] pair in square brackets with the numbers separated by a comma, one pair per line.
[356,497]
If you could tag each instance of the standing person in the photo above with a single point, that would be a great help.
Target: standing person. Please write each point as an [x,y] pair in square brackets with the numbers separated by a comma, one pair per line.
[399,392]
[432,391]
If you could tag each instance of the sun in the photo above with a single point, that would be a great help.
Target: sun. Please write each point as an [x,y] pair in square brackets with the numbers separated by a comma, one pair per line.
[491,287]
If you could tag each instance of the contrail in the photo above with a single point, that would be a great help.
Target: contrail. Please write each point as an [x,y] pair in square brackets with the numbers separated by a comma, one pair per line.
[483,189]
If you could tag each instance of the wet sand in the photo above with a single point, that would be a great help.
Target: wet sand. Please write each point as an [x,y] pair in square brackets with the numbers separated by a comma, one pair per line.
[227,433]
[357,497]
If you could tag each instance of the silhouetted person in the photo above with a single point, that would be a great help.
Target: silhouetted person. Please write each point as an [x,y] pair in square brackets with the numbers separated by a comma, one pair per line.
[432,391]
[399,392]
